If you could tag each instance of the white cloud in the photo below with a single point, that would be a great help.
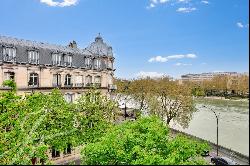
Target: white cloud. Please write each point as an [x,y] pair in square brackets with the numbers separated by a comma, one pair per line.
[167,58]
[183,64]
[153,3]
[241,25]
[158,59]
[64,3]
[186,9]
[205,2]
[143,74]
[203,63]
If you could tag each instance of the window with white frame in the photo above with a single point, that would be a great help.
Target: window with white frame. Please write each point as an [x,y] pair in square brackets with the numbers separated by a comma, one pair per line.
[56,59]
[68,80]
[97,63]
[68,60]
[9,75]
[88,80]
[33,80]
[9,53]
[88,62]
[56,80]
[33,57]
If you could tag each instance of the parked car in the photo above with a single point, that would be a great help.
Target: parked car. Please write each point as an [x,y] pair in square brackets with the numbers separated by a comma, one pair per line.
[222,161]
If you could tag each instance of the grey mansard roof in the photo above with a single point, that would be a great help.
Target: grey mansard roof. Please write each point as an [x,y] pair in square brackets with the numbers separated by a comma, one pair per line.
[97,48]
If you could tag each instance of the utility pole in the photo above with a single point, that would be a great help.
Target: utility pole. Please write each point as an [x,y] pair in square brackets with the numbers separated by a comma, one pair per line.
[217,131]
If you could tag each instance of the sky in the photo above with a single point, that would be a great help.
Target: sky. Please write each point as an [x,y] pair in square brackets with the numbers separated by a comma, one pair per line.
[149,37]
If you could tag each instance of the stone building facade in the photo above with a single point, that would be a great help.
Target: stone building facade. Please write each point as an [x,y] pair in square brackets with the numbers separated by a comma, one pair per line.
[37,66]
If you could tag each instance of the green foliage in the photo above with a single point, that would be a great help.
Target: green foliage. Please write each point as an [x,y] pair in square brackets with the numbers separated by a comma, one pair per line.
[32,125]
[198,91]
[145,142]
[11,84]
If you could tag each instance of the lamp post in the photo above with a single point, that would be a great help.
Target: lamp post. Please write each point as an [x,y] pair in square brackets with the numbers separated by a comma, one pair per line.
[217,131]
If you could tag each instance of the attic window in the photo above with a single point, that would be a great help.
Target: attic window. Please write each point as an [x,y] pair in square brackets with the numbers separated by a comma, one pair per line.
[33,57]
[9,54]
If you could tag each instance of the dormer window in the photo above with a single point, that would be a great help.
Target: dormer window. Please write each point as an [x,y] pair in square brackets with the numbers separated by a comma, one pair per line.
[56,59]
[88,62]
[68,60]
[97,63]
[33,57]
[9,54]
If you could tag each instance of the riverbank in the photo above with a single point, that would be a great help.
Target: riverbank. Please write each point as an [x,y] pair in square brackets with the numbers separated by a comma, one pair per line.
[222,98]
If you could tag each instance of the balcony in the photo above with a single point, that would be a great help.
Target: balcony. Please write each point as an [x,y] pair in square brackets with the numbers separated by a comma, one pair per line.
[7,58]
[97,85]
[79,84]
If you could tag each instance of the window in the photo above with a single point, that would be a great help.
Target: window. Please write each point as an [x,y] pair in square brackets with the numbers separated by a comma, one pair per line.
[33,57]
[55,153]
[68,60]
[56,80]
[9,53]
[110,65]
[68,97]
[89,79]
[33,81]
[98,79]
[56,59]
[97,64]
[9,75]
[88,62]
[67,150]
[68,80]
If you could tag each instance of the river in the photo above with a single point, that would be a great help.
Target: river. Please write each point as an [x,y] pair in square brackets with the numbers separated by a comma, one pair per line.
[233,123]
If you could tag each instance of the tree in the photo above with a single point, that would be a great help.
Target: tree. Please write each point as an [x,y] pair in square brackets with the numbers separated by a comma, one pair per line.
[173,101]
[95,114]
[143,142]
[38,122]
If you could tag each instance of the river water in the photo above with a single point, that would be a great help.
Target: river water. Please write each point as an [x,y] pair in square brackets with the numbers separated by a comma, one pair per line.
[233,123]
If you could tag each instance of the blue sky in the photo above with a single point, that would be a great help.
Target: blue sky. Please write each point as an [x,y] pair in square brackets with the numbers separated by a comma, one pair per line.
[149,37]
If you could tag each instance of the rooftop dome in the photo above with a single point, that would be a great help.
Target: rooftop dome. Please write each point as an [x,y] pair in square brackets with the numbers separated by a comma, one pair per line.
[99,47]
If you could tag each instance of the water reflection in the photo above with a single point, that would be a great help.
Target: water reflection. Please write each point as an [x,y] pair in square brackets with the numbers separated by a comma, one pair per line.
[233,124]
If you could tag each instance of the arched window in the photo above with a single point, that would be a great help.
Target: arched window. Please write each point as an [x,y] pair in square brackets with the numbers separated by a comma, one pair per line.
[68,80]
[33,80]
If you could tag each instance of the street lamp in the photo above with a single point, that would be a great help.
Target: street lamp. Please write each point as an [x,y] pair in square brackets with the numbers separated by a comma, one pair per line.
[217,131]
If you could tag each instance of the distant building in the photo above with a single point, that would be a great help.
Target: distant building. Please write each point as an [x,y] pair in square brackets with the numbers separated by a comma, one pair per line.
[37,66]
[207,76]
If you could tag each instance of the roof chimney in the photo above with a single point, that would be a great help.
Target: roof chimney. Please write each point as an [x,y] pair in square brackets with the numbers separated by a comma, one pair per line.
[73,44]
